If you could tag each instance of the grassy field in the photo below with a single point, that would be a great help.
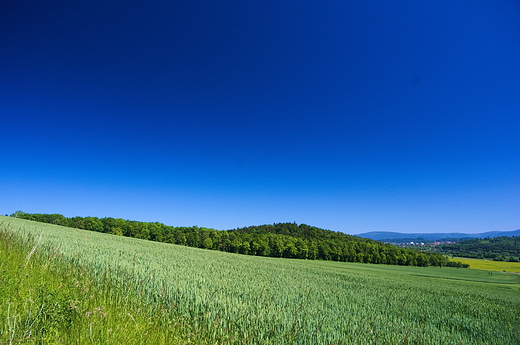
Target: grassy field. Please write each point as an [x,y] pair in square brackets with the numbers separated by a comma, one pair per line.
[165,294]
[491,265]
[462,275]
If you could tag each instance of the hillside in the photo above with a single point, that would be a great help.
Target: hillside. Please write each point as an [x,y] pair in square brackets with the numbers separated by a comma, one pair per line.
[498,248]
[85,287]
[287,240]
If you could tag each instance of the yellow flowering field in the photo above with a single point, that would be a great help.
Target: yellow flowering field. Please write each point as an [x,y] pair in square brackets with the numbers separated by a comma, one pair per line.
[490,265]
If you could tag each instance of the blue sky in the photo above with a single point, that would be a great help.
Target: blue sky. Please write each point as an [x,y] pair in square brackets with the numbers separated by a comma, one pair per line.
[350,116]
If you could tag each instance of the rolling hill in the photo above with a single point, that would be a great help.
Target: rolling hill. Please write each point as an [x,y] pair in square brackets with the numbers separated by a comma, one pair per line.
[74,286]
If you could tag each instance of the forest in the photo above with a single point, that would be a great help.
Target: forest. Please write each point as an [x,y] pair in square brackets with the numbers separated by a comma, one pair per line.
[499,248]
[287,240]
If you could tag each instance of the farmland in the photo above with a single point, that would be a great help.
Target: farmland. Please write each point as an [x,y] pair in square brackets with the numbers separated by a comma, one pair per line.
[190,295]
[491,265]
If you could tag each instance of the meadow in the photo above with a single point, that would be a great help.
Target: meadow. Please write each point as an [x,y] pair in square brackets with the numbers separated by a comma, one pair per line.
[74,286]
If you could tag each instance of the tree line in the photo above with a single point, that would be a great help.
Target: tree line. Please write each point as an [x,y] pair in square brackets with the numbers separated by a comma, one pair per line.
[502,248]
[285,240]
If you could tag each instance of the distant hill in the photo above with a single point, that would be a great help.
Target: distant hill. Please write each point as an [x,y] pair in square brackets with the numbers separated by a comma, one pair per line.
[503,248]
[388,236]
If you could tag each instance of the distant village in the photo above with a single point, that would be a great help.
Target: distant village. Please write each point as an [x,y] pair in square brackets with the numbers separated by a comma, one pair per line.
[422,244]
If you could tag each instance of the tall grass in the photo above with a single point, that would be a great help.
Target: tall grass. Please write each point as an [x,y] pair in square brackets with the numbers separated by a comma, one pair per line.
[46,298]
[125,290]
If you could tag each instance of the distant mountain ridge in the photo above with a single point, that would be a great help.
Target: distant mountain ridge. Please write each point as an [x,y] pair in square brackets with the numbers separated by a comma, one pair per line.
[389,236]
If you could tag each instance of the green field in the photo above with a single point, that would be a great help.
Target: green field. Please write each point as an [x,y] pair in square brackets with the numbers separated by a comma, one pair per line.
[177,294]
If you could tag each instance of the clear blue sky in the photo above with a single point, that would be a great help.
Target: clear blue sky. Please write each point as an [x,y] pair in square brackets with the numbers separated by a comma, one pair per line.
[352,116]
